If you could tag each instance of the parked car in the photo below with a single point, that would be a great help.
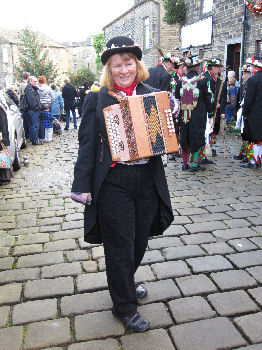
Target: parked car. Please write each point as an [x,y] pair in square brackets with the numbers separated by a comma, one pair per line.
[16,132]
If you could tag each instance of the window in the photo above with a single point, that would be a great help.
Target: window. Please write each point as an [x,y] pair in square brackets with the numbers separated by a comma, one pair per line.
[5,55]
[207,6]
[146,33]
[259,48]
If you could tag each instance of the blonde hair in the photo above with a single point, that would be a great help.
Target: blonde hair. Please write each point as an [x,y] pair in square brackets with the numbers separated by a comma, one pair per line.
[107,79]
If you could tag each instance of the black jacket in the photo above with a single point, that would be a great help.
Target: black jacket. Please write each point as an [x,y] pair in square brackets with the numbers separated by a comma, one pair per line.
[69,94]
[94,160]
[32,97]
[159,78]
[193,132]
[252,110]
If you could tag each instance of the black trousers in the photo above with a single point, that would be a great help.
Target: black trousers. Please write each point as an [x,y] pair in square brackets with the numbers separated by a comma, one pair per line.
[127,205]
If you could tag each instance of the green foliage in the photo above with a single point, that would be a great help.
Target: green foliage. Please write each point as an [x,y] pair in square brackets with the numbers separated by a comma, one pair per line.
[175,11]
[98,45]
[81,75]
[33,57]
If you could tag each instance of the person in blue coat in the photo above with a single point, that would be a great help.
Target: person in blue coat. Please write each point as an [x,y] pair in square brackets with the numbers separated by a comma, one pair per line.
[128,202]
[58,104]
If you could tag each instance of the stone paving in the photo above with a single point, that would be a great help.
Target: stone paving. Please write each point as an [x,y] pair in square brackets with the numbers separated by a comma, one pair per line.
[204,275]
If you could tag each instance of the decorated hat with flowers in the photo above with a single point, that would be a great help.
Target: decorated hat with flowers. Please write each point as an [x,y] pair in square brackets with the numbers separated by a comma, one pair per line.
[213,61]
[246,68]
[120,44]
[192,61]
[255,61]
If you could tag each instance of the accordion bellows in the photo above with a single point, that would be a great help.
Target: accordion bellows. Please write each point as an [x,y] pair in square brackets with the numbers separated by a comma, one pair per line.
[140,127]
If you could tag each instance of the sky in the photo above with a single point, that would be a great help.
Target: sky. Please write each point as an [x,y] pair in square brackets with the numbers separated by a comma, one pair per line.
[62,20]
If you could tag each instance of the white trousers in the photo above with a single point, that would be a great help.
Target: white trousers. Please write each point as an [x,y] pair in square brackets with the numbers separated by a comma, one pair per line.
[48,134]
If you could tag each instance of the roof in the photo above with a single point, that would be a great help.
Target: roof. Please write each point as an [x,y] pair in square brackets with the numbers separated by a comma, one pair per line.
[12,36]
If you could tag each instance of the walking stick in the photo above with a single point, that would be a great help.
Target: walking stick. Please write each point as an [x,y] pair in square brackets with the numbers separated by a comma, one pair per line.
[223,136]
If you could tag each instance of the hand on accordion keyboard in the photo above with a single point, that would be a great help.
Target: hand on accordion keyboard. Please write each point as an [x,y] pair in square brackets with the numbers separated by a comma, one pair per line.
[172,103]
[83,198]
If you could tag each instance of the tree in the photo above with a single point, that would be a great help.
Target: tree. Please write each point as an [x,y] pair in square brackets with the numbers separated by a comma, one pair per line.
[175,11]
[33,57]
[81,75]
[98,45]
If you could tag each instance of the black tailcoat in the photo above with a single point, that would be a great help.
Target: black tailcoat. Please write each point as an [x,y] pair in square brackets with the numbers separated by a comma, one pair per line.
[192,134]
[159,78]
[252,110]
[94,160]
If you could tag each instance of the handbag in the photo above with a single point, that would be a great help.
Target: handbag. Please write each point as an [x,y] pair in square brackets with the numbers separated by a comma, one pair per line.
[5,157]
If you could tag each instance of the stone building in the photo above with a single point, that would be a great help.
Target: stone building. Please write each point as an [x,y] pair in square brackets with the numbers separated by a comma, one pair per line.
[9,54]
[216,28]
[143,22]
[82,53]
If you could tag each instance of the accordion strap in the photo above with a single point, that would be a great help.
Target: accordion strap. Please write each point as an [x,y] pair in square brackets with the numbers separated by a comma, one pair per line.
[116,95]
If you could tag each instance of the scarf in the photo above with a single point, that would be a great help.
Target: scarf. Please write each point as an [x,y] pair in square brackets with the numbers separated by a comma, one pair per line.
[129,90]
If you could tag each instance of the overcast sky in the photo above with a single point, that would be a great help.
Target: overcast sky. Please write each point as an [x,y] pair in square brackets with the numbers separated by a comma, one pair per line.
[62,20]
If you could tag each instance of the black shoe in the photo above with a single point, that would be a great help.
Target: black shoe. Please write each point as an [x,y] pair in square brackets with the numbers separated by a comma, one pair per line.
[37,143]
[75,127]
[66,128]
[185,167]
[214,153]
[239,157]
[206,161]
[135,323]
[244,160]
[195,169]
[141,292]
[171,157]
[249,166]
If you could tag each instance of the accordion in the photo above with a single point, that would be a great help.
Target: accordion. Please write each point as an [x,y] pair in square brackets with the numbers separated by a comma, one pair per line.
[140,127]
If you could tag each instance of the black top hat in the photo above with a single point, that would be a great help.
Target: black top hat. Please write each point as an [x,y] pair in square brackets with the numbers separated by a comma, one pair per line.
[120,44]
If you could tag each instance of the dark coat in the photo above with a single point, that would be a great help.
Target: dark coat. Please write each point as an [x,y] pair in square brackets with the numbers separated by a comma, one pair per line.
[215,87]
[193,132]
[13,96]
[69,94]
[32,97]
[94,160]
[252,110]
[159,78]
[4,125]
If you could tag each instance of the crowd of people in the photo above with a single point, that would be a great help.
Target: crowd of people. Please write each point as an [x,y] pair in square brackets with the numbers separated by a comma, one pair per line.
[128,201]
[205,99]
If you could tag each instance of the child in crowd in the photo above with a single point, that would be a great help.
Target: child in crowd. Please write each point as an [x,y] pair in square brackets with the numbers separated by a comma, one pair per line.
[47,119]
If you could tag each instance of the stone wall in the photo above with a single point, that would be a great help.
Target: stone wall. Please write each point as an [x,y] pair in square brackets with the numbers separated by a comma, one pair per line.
[227,26]
[131,24]
[6,63]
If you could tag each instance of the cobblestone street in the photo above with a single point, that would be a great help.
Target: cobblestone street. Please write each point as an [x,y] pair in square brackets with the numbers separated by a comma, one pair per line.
[204,276]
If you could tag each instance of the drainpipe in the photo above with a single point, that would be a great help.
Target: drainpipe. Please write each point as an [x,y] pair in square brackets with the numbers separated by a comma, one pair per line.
[244,24]
[159,18]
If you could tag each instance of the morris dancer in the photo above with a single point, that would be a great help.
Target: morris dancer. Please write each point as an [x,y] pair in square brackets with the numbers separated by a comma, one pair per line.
[195,101]
[177,75]
[246,74]
[252,113]
[160,78]
[212,75]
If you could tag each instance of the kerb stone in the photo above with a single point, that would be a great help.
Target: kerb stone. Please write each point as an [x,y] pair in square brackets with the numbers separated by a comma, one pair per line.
[48,333]
[151,340]
[251,325]
[33,311]
[40,260]
[49,288]
[216,333]
[97,325]
[209,263]
[11,338]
